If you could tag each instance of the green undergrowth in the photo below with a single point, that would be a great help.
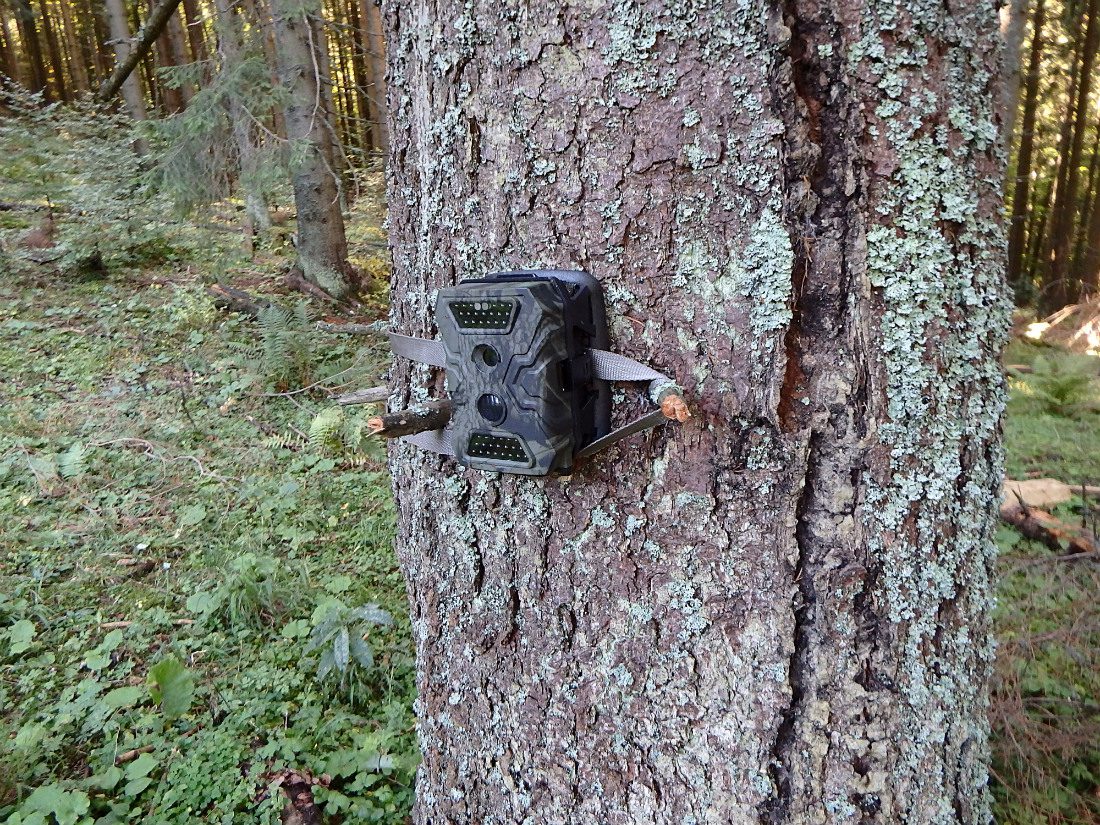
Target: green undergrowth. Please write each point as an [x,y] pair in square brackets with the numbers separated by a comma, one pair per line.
[199,604]
[1046,694]
[200,612]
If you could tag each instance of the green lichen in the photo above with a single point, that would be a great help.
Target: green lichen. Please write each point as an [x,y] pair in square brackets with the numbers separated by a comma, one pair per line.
[946,288]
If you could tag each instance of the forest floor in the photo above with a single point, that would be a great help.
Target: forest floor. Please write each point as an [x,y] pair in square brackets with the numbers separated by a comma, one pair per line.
[187,529]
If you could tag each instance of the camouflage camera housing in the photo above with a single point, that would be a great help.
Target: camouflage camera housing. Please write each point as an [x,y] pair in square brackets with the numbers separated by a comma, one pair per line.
[519,370]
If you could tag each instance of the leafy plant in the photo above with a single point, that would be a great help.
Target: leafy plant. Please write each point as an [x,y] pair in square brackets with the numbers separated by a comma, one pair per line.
[1062,385]
[286,335]
[255,591]
[333,432]
[171,686]
[339,633]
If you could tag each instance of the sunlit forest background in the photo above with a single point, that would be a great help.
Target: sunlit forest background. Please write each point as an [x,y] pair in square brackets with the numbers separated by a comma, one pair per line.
[201,618]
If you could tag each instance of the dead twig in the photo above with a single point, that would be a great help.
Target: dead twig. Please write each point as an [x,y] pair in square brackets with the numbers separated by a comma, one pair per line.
[372,395]
[1041,526]
[232,299]
[432,415]
[132,754]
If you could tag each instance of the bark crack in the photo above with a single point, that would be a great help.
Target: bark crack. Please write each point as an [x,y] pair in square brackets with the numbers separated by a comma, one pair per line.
[776,808]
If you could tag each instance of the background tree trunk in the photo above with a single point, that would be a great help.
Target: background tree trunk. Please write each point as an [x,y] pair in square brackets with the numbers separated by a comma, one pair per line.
[371,22]
[175,45]
[780,612]
[172,96]
[78,68]
[230,46]
[196,31]
[322,246]
[364,125]
[120,34]
[1022,188]
[1013,26]
[9,61]
[28,35]
[57,65]
[1058,288]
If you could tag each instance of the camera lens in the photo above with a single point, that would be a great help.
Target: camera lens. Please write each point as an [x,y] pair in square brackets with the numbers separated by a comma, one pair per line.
[486,357]
[492,408]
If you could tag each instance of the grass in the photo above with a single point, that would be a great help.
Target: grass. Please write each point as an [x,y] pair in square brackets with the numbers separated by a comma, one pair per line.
[1046,695]
[1042,441]
[171,540]
[199,603]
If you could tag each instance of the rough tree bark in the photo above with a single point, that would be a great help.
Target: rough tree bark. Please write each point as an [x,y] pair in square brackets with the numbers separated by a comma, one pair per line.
[780,612]
[322,246]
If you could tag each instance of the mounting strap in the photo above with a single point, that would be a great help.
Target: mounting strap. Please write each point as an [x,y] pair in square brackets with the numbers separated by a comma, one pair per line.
[607,366]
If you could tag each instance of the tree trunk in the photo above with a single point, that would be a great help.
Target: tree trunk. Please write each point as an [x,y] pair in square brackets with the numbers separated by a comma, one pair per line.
[1090,267]
[78,68]
[9,62]
[147,34]
[1058,289]
[322,246]
[196,31]
[230,46]
[123,45]
[57,65]
[334,155]
[101,52]
[362,80]
[1013,24]
[1034,264]
[1084,217]
[779,612]
[371,22]
[1022,190]
[172,95]
[258,12]
[176,49]
[28,35]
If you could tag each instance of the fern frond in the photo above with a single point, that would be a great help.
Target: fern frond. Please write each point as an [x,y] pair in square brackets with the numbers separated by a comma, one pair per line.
[327,429]
[72,463]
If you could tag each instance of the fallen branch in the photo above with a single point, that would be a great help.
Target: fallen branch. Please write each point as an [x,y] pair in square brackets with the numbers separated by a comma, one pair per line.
[432,415]
[296,280]
[120,625]
[237,300]
[132,754]
[368,396]
[1042,527]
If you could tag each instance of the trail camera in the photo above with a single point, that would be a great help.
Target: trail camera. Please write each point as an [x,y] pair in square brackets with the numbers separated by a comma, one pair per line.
[528,372]
[519,369]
